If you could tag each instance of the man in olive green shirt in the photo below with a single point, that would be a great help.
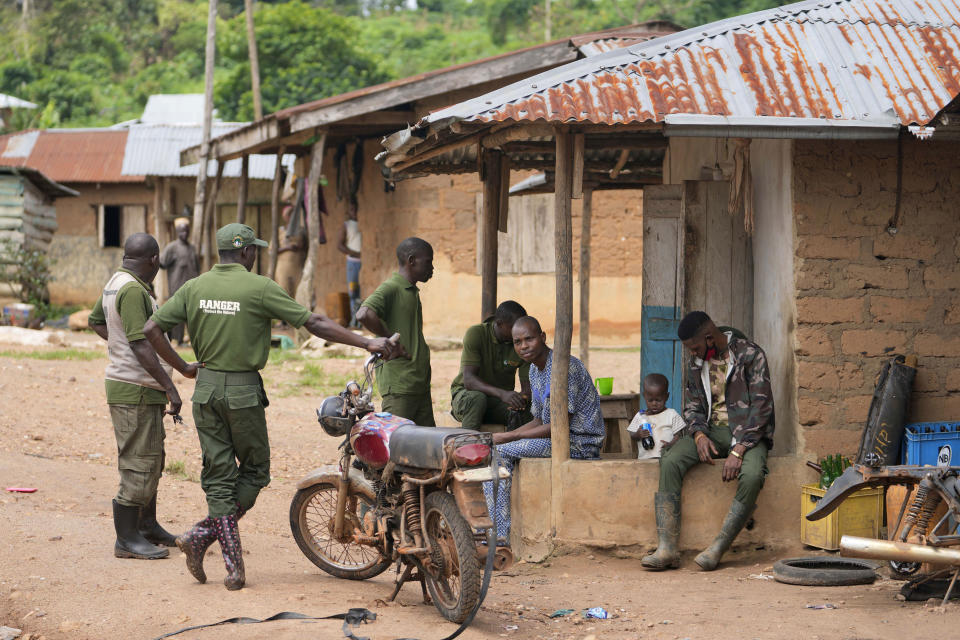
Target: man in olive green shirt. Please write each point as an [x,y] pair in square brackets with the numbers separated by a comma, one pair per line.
[228,312]
[484,391]
[395,307]
[137,389]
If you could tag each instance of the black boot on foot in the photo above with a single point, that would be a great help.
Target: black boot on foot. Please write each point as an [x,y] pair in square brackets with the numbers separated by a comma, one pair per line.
[130,544]
[151,529]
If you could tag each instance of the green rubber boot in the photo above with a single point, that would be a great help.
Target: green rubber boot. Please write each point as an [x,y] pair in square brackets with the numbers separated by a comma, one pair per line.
[667,555]
[737,517]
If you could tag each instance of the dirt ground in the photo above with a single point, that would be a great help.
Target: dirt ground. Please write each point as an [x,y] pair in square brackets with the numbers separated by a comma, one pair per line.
[59,579]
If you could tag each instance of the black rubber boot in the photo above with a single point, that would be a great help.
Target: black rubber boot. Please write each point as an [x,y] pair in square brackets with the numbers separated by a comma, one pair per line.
[130,544]
[667,555]
[151,529]
[228,534]
[732,524]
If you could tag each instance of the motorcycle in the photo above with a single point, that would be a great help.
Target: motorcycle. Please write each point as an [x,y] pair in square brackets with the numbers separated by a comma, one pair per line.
[934,485]
[401,493]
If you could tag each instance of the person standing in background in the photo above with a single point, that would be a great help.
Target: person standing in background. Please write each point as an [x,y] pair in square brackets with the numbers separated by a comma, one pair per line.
[180,260]
[349,244]
[292,252]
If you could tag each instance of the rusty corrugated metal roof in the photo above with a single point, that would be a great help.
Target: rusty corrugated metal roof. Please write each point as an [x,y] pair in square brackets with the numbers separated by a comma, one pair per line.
[69,155]
[857,61]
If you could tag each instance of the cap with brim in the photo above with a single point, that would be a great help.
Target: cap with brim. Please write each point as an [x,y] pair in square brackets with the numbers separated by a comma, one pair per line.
[237,236]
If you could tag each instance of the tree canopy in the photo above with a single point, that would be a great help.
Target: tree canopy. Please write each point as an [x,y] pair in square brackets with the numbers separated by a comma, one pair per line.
[95,62]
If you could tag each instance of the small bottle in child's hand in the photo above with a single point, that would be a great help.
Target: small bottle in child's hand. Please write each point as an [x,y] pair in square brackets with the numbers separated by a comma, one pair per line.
[646,434]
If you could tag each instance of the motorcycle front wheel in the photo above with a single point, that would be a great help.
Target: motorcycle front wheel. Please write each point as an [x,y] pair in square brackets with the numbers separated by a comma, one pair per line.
[311,520]
[453,577]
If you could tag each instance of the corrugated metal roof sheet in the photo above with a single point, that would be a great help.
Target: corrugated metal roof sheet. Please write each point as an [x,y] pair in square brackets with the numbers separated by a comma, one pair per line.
[154,150]
[174,108]
[864,61]
[13,102]
[69,155]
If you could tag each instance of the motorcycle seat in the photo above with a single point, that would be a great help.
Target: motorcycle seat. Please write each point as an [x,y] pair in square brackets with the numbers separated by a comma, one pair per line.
[422,447]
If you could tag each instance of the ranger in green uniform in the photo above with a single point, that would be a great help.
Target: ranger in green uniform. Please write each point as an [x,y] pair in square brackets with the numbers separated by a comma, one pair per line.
[137,389]
[395,307]
[484,391]
[228,312]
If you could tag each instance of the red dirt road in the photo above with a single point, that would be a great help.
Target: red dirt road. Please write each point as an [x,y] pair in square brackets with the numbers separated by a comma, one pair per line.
[59,579]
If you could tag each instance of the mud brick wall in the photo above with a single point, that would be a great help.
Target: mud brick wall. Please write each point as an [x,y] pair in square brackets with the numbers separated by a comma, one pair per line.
[862,293]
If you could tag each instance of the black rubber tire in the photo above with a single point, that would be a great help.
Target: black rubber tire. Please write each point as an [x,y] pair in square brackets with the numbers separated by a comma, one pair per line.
[452,538]
[315,506]
[824,571]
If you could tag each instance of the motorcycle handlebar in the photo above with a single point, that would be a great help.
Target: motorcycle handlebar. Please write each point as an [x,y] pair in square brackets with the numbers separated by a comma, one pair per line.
[376,356]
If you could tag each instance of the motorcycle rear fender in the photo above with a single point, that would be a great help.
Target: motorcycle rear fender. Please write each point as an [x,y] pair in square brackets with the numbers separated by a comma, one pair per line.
[472,503]
[331,474]
[859,477]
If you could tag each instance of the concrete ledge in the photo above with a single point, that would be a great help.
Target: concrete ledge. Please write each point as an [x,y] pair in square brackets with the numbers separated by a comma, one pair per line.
[609,503]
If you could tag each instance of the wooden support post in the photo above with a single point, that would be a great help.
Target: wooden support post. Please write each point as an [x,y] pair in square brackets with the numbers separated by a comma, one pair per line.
[490,221]
[576,190]
[275,215]
[563,241]
[306,289]
[242,191]
[210,219]
[503,218]
[160,283]
[254,61]
[585,278]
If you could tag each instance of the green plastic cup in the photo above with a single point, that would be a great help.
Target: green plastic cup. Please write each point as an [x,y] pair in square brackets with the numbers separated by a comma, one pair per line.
[604,386]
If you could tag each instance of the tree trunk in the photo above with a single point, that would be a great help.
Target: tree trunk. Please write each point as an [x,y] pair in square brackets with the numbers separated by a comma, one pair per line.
[201,192]
[306,288]
[254,61]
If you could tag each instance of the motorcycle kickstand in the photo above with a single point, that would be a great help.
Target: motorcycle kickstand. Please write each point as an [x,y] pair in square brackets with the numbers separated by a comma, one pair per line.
[407,576]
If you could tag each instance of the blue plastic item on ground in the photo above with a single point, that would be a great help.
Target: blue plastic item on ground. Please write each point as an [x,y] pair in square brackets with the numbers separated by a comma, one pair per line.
[932,443]
[596,612]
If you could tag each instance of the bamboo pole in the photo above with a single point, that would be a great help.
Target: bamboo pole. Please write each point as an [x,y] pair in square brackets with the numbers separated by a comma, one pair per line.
[254,61]
[306,288]
[585,278]
[275,215]
[563,239]
[242,191]
[490,221]
[201,191]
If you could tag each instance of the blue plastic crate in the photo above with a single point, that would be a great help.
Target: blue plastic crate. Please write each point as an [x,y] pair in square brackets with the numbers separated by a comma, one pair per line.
[932,443]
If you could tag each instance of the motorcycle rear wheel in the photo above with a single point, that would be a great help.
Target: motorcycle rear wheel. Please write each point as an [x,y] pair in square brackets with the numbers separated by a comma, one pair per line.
[311,521]
[453,577]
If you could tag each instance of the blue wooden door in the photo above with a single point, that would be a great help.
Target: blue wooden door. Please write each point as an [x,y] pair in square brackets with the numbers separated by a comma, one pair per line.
[663,281]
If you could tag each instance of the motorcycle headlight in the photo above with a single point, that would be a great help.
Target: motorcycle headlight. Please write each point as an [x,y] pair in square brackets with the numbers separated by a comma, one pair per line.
[333,417]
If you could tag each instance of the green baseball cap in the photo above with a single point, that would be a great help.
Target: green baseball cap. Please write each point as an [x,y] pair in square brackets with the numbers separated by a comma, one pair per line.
[237,236]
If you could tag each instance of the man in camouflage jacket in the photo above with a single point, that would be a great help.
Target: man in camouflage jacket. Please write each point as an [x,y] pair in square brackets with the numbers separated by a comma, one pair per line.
[728,407]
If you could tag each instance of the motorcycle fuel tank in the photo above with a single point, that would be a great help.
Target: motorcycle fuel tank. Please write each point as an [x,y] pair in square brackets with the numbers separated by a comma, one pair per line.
[370,437]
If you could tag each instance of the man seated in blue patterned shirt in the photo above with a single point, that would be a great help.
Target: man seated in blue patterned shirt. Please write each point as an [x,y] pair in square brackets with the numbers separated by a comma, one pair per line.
[532,440]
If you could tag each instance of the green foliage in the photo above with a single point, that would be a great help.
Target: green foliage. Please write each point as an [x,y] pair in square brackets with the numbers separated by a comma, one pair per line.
[95,62]
[28,268]
[305,54]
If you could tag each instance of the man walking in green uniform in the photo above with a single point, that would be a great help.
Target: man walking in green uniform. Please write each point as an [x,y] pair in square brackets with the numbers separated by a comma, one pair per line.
[395,307]
[484,391]
[728,406]
[228,312]
[137,387]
